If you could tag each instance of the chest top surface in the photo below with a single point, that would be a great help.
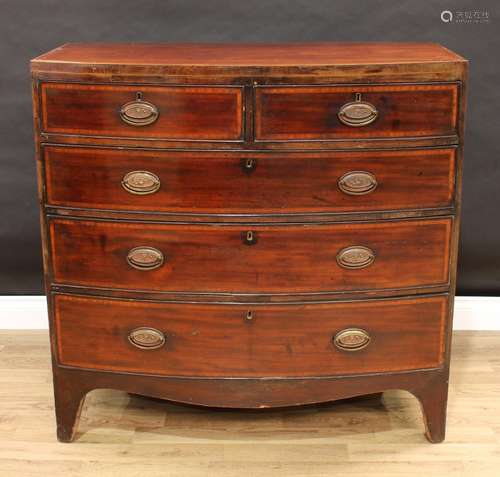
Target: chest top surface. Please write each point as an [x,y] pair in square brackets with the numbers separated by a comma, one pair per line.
[246,54]
[245,58]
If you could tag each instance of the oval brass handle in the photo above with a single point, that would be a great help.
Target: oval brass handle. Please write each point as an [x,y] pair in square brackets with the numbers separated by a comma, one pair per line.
[139,112]
[145,258]
[357,183]
[141,182]
[355,257]
[352,339]
[146,338]
[357,113]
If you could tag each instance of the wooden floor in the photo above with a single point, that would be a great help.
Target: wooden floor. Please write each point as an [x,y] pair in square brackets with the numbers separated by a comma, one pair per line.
[122,435]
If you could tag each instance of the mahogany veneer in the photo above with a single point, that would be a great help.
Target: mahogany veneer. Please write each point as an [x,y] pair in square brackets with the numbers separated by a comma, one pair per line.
[218,182]
[213,340]
[250,225]
[284,258]
[305,112]
[91,110]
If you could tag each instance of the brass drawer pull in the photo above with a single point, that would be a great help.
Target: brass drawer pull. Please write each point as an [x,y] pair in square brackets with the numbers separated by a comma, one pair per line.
[145,258]
[351,339]
[357,183]
[141,182]
[355,257]
[139,112]
[357,113]
[146,338]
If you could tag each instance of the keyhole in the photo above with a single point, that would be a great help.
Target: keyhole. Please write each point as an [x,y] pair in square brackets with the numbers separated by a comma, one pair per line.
[249,237]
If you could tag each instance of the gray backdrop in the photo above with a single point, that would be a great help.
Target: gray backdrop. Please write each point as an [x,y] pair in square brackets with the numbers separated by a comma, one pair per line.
[29,28]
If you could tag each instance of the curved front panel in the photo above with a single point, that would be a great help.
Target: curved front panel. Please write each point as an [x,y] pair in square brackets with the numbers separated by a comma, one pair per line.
[321,113]
[143,112]
[278,340]
[284,259]
[249,183]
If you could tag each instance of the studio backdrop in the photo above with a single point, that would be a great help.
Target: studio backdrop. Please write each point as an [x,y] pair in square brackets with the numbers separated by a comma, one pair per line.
[29,28]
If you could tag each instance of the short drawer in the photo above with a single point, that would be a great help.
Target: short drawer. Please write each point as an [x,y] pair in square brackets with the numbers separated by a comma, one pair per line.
[355,112]
[251,259]
[219,182]
[149,112]
[251,341]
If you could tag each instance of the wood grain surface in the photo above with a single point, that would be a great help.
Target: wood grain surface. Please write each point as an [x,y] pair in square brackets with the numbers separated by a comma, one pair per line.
[241,54]
[249,183]
[284,258]
[311,112]
[278,340]
[185,112]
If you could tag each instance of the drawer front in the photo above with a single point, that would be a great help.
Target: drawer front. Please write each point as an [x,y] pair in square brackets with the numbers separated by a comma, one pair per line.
[355,112]
[253,259]
[149,112]
[277,340]
[249,183]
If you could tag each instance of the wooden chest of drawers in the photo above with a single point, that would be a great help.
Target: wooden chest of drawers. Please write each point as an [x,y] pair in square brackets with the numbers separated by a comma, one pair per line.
[250,226]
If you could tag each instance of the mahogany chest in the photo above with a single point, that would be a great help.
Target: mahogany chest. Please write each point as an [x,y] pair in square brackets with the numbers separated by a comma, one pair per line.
[250,226]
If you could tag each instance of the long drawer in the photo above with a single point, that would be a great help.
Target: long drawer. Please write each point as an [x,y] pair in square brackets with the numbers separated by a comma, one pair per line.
[315,113]
[143,112]
[264,340]
[251,259]
[249,183]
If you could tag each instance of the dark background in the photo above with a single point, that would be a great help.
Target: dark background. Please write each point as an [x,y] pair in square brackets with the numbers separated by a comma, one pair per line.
[31,27]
